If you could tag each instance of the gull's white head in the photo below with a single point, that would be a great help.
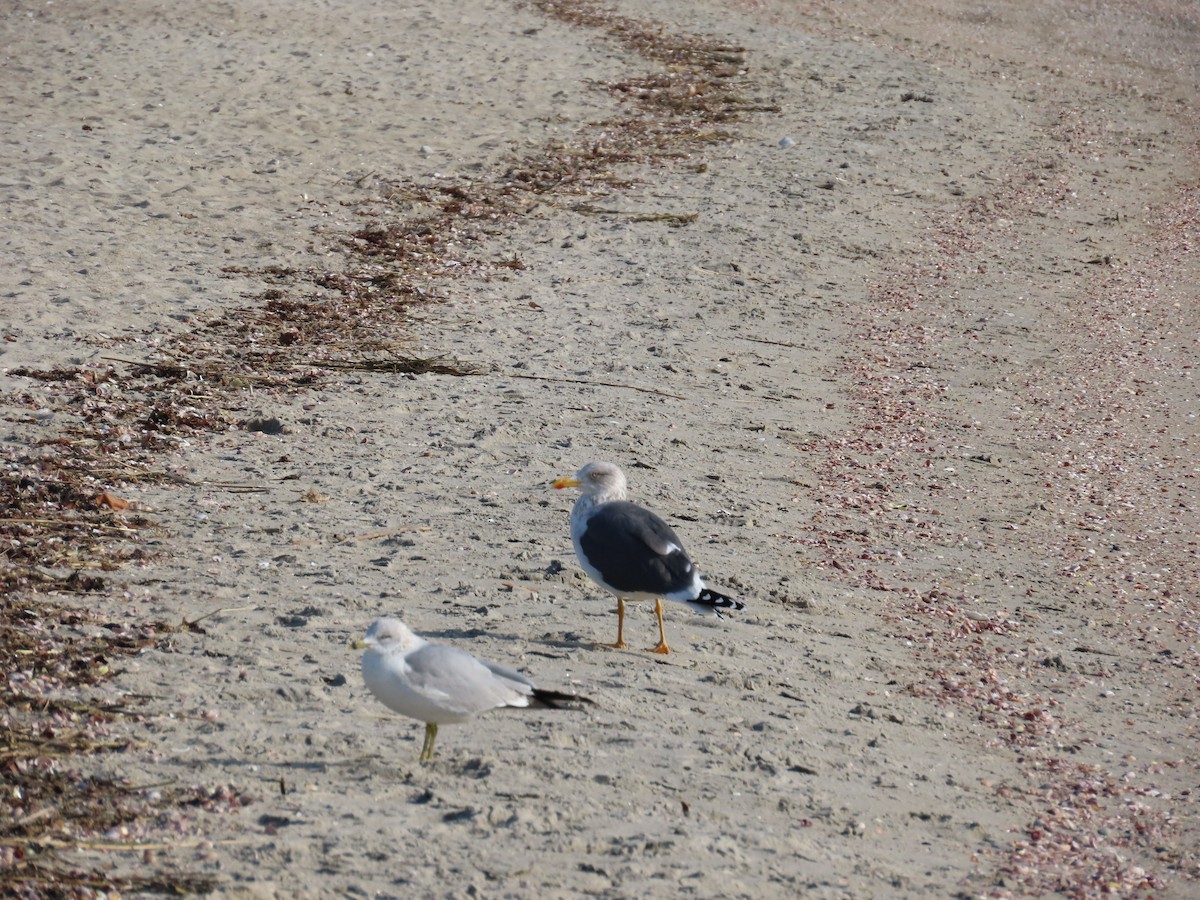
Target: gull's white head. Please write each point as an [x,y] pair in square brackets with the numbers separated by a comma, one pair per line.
[601,481]
[389,635]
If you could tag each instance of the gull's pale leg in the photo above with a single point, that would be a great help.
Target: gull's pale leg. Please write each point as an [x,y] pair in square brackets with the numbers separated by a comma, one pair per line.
[620,644]
[430,737]
[662,633]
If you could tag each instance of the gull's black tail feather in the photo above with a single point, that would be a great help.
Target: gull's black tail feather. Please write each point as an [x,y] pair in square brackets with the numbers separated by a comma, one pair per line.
[555,699]
[717,602]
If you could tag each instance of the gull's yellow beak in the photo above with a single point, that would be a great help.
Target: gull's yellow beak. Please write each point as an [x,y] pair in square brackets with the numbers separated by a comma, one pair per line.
[566,481]
[358,644]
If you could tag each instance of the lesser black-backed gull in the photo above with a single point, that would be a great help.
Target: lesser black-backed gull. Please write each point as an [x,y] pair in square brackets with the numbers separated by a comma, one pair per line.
[631,552]
[440,685]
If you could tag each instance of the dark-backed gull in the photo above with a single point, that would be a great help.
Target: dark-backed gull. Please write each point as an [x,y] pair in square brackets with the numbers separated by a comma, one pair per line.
[630,551]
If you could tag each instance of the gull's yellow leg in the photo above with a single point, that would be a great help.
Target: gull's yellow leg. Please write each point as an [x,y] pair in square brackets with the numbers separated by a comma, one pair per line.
[430,737]
[620,644]
[662,633]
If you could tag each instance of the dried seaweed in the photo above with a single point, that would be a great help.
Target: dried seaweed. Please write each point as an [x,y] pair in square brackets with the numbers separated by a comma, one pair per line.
[47,805]
[676,220]
[407,365]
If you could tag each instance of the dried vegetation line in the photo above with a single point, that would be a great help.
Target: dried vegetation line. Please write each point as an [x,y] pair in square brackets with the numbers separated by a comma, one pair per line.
[51,656]
[64,523]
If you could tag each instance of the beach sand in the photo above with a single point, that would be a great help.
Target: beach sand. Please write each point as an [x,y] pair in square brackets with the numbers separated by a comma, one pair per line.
[913,377]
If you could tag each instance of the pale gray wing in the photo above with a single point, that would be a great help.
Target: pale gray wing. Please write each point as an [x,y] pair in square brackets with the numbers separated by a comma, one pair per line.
[456,680]
[516,680]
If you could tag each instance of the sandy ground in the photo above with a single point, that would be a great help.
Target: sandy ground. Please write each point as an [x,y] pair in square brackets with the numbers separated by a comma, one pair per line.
[927,403]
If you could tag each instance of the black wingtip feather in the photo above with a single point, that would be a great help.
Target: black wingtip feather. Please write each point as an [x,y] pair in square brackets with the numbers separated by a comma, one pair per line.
[556,699]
